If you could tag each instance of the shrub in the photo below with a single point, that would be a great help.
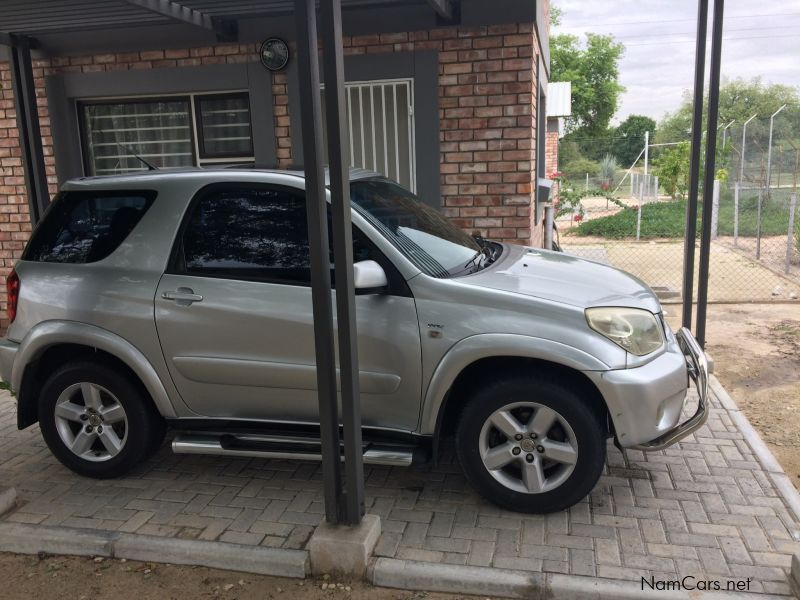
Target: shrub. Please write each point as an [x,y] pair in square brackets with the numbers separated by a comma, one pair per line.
[577,169]
[607,169]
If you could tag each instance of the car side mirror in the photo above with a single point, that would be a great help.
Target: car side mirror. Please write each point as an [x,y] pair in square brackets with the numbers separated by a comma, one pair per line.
[369,277]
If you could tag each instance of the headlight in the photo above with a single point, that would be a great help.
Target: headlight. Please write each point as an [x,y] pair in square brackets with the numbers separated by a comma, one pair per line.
[633,329]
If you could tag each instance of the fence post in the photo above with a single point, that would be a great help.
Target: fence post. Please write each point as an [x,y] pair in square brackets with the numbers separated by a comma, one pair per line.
[639,211]
[736,188]
[790,237]
[633,185]
[587,182]
[758,224]
[715,211]
[655,189]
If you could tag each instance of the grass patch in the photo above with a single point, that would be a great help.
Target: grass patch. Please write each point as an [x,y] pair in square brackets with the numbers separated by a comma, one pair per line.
[667,220]
[659,220]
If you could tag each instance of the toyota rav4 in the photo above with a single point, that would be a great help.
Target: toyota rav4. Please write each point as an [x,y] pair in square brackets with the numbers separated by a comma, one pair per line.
[181,300]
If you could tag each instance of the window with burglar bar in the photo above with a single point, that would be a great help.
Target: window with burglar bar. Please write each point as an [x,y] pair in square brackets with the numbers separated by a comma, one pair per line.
[173,131]
[380,128]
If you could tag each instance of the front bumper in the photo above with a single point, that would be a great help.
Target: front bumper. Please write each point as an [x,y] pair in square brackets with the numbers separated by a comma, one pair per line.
[645,403]
[697,366]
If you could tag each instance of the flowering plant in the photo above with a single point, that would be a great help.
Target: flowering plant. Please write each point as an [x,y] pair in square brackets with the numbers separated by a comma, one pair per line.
[569,199]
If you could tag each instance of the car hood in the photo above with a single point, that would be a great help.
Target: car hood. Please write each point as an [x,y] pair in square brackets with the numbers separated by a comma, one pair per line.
[565,279]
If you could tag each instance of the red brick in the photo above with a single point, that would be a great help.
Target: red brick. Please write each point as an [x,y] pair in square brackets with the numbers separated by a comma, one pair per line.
[152,55]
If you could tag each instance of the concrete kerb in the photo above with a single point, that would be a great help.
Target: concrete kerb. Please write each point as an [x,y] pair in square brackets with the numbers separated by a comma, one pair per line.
[794,575]
[488,581]
[8,500]
[33,539]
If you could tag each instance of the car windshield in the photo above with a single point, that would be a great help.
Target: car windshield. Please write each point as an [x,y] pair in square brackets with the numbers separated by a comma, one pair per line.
[425,236]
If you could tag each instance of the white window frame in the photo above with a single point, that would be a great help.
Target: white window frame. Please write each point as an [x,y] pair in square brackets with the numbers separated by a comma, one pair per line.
[198,162]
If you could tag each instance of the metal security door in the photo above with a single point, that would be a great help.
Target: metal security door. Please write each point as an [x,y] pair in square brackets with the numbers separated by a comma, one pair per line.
[380,127]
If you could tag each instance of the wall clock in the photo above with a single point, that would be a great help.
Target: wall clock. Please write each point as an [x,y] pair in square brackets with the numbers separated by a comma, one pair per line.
[274,54]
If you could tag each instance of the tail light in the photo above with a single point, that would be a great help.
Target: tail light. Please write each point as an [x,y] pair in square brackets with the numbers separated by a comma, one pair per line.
[12,291]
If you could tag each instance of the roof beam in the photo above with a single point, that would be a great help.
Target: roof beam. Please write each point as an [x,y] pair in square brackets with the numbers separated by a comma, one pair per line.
[226,29]
[14,41]
[443,8]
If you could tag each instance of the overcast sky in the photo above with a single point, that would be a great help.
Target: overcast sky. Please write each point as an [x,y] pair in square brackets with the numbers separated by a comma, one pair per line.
[760,39]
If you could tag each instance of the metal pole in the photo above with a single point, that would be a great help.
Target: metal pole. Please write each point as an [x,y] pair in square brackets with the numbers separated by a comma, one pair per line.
[708,182]
[715,211]
[744,141]
[30,135]
[758,223]
[317,212]
[639,212]
[790,238]
[655,188]
[725,133]
[769,149]
[335,106]
[548,226]
[694,165]
[646,153]
[736,188]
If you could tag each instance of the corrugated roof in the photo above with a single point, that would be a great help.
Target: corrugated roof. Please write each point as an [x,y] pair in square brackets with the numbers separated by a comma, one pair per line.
[559,99]
[48,16]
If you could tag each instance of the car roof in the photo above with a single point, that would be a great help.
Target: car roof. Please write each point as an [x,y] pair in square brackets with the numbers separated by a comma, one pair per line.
[208,175]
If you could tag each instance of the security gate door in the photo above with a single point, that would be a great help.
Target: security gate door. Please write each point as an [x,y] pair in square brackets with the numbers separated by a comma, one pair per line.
[380,125]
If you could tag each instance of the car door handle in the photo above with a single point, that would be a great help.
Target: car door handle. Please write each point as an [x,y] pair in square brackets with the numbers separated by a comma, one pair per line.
[183,296]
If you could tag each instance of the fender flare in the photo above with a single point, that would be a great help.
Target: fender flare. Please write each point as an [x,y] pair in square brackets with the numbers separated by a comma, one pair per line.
[52,333]
[477,347]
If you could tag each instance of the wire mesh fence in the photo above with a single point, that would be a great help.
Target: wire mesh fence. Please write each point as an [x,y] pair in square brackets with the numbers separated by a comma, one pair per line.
[755,248]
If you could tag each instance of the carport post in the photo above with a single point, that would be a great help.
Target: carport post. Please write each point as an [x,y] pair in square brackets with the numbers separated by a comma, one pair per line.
[708,182]
[30,135]
[694,165]
[317,211]
[335,106]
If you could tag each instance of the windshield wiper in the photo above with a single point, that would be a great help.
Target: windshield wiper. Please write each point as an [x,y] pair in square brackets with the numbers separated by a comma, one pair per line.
[486,253]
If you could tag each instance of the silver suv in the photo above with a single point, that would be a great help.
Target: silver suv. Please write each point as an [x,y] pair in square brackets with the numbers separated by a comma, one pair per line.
[181,300]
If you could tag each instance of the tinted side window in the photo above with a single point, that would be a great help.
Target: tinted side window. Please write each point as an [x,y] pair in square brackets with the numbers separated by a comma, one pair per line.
[85,227]
[248,233]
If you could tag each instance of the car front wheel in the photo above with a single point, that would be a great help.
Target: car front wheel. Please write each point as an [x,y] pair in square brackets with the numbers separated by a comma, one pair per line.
[97,421]
[531,445]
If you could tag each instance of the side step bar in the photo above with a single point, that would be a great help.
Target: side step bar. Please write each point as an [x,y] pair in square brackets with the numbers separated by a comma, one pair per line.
[285,447]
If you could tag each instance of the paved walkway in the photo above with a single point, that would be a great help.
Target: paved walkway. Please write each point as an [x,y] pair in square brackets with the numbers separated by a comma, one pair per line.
[709,507]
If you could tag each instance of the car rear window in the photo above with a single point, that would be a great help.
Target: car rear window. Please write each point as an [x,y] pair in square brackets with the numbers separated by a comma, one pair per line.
[85,227]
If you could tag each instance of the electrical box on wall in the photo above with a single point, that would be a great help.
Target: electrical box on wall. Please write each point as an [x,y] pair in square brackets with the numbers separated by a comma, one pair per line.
[543,189]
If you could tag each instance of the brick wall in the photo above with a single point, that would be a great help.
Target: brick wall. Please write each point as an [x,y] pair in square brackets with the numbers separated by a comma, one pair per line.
[551,153]
[487,123]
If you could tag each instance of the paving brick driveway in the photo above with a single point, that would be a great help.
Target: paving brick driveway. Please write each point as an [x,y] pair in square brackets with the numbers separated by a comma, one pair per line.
[706,508]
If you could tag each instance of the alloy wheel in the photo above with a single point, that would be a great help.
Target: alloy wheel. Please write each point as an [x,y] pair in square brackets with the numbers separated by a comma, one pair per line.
[528,447]
[91,422]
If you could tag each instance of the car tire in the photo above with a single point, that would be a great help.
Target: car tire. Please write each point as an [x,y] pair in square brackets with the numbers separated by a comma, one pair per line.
[531,444]
[97,421]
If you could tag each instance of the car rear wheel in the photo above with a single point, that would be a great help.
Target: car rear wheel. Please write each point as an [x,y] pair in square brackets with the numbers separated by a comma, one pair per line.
[531,445]
[97,421]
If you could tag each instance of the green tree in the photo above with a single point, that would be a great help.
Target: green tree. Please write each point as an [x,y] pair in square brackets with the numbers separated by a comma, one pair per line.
[672,170]
[629,138]
[739,99]
[593,69]
[555,15]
